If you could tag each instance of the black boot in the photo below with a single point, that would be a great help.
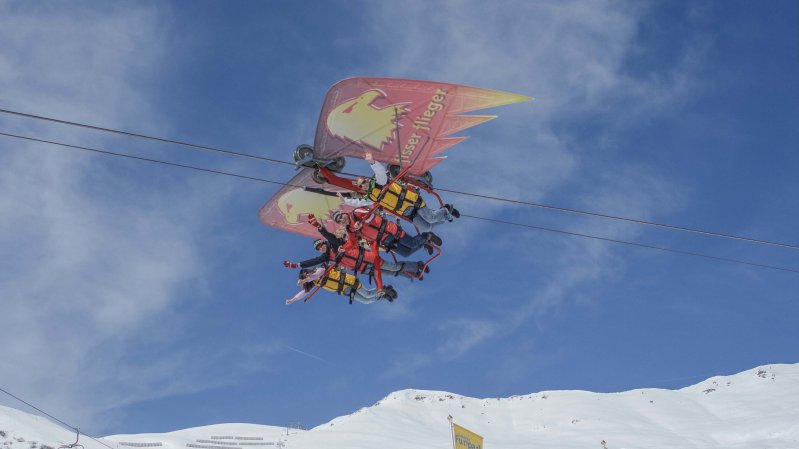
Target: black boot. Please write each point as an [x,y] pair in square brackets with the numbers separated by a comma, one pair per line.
[422,269]
[390,293]
[434,239]
[452,211]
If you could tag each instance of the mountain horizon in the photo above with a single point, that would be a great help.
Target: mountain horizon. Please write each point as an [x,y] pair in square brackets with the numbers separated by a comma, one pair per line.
[758,407]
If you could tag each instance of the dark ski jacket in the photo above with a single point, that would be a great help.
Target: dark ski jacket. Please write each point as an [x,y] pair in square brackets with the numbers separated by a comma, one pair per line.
[333,244]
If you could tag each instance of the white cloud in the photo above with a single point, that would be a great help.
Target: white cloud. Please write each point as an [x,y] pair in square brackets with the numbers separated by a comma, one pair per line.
[470,332]
[571,57]
[94,256]
[87,271]
[568,55]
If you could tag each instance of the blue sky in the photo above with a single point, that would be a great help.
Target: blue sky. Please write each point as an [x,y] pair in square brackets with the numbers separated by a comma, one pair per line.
[143,298]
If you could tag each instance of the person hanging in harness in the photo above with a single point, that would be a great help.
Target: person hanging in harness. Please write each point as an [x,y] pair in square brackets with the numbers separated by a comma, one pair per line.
[327,247]
[374,227]
[365,259]
[400,198]
[342,283]
[352,256]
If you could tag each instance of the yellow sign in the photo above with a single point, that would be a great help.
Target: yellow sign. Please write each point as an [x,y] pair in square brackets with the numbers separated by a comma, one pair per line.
[464,439]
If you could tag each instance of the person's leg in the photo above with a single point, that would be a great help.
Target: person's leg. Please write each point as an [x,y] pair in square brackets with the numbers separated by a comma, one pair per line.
[401,268]
[365,295]
[427,218]
[408,245]
[390,268]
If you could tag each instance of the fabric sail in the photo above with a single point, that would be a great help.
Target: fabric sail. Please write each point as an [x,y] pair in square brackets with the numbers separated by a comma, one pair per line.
[289,208]
[362,114]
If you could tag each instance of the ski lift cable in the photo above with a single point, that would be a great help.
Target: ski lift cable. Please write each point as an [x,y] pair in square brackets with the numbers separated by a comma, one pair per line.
[53,417]
[457,192]
[252,178]
[144,136]
[640,245]
[629,220]
[130,156]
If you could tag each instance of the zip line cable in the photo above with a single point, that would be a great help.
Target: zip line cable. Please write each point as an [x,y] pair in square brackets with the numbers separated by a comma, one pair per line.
[629,220]
[130,156]
[53,417]
[640,245]
[457,192]
[252,178]
[144,136]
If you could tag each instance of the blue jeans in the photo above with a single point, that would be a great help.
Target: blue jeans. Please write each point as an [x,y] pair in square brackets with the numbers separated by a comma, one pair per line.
[402,268]
[406,245]
[365,295]
[425,218]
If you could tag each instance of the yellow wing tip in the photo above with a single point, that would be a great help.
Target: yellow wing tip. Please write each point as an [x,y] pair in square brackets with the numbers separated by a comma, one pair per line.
[509,98]
[521,98]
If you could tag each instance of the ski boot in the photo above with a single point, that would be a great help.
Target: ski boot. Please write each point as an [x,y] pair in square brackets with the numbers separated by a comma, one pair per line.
[452,211]
[434,239]
[389,293]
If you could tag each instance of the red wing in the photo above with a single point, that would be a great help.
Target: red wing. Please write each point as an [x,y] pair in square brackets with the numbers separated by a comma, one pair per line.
[288,209]
[361,114]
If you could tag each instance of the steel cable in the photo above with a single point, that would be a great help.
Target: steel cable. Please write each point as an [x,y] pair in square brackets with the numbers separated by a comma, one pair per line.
[457,192]
[252,178]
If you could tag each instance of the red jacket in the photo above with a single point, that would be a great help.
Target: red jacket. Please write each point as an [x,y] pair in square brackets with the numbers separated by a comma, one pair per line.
[375,226]
[358,259]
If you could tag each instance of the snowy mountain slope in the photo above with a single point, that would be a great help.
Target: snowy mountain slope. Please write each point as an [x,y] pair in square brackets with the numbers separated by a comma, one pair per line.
[20,430]
[758,408]
[219,436]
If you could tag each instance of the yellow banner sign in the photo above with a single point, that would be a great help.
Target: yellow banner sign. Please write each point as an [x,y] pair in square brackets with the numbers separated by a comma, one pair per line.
[464,439]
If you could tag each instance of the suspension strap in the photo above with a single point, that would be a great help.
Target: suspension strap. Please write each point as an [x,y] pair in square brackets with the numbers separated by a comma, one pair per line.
[381,230]
[379,197]
[338,258]
[419,202]
[342,282]
[359,260]
[402,195]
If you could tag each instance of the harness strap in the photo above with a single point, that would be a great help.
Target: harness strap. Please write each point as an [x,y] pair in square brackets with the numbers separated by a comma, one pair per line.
[382,194]
[342,281]
[338,258]
[402,195]
[356,284]
[359,260]
[381,230]
[419,202]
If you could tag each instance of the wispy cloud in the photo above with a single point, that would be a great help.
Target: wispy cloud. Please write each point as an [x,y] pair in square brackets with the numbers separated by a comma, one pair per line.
[93,265]
[470,332]
[571,56]
[306,354]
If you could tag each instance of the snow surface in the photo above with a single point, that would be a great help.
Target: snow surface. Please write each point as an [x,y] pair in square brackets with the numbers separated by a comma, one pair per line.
[758,408]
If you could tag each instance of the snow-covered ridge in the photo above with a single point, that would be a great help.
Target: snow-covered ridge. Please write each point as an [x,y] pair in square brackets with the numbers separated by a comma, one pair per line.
[755,408]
